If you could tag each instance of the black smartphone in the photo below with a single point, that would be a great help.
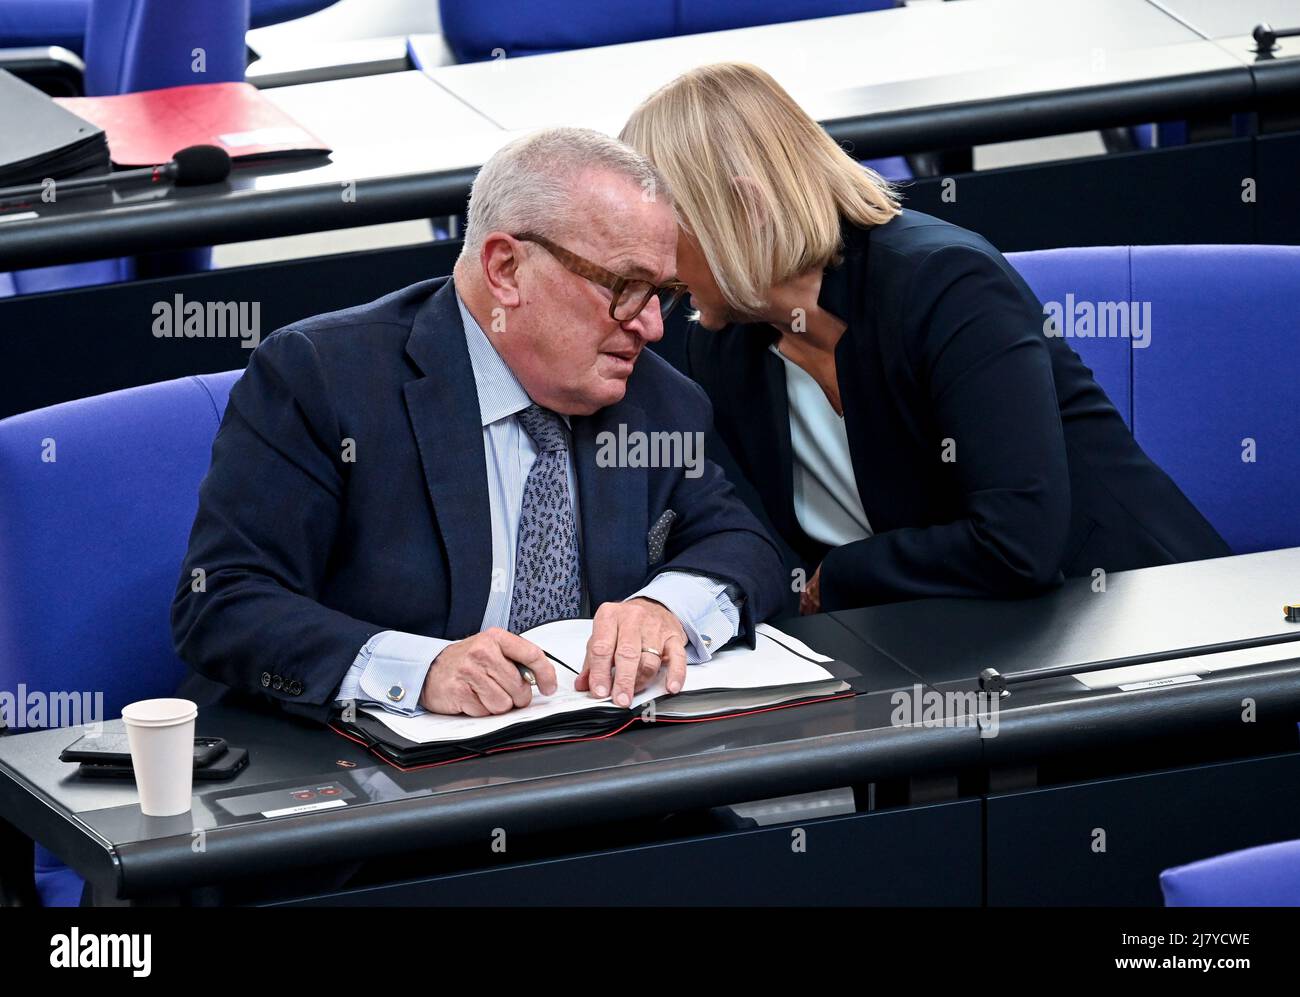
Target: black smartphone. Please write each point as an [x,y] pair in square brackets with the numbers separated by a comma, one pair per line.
[230,764]
[113,749]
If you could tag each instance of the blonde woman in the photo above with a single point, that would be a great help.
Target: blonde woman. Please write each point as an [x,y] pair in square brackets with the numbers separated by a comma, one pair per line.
[882,377]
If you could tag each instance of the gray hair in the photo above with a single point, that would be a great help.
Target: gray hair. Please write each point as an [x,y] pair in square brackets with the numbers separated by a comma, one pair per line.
[530,183]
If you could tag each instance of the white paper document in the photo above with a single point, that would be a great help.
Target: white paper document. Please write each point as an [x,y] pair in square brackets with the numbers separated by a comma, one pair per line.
[777,660]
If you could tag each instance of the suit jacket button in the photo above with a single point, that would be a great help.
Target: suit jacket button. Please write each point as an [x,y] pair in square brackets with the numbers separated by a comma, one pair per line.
[277,683]
[266,680]
[295,688]
[396,693]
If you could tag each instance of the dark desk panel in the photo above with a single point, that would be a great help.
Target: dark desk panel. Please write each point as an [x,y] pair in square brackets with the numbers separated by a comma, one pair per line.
[1277,165]
[99,830]
[1119,199]
[1041,842]
[64,345]
[920,856]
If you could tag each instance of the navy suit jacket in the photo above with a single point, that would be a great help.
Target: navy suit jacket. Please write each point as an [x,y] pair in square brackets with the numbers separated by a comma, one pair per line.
[306,554]
[945,342]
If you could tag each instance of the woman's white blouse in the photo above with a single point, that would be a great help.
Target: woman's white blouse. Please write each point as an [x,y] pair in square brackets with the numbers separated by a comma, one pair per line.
[826,500]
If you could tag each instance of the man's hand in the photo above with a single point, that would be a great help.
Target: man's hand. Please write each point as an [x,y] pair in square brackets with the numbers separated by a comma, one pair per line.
[478,675]
[619,657]
[810,599]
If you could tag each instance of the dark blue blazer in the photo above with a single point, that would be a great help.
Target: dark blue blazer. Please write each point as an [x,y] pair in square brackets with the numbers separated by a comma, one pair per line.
[305,554]
[945,342]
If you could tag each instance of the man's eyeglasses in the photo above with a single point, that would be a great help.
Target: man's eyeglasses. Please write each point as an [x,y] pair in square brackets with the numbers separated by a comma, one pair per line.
[629,294]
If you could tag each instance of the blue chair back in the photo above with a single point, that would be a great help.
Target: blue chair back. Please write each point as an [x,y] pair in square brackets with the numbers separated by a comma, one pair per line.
[25,23]
[98,499]
[1267,876]
[474,30]
[1087,274]
[1214,395]
[134,45]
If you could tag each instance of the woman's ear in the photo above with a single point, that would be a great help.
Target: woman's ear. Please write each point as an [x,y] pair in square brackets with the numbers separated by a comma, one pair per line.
[500,260]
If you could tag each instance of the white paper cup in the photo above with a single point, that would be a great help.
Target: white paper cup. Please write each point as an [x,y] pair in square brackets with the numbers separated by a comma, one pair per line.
[161,735]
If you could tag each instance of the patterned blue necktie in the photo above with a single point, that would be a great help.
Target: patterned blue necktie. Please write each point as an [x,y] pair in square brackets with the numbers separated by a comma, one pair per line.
[548,577]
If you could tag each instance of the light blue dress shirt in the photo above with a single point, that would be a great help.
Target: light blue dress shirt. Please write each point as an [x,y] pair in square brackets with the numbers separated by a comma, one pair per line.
[394,661]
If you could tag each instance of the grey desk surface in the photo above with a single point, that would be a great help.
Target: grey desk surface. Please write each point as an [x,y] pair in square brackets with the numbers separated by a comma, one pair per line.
[1139,612]
[379,126]
[1224,18]
[910,647]
[853,64]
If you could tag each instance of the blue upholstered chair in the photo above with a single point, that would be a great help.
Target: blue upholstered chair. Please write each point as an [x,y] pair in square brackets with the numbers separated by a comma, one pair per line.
[92,544]
[474,29]
[133,45]
[1213,398]
[26,23]
[1267,876]
[1089,274]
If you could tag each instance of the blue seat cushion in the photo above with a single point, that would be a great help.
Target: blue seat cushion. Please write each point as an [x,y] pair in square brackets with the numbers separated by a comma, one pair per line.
[1267,876]
[56,884]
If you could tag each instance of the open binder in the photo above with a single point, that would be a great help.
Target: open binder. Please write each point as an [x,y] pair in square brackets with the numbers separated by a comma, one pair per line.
[778,672]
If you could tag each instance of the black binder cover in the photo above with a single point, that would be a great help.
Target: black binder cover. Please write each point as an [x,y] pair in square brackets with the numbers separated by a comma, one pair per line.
[39,139]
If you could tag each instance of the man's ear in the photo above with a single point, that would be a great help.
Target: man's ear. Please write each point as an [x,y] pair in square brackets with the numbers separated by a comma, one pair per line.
[500,261]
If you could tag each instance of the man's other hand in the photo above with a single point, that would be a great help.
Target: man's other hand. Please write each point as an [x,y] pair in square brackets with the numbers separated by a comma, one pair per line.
[620,662]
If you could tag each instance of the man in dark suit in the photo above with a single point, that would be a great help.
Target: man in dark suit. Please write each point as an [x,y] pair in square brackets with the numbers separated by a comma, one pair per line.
[399,489]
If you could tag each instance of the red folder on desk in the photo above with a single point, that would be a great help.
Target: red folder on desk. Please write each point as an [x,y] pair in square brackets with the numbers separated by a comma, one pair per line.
[148,128]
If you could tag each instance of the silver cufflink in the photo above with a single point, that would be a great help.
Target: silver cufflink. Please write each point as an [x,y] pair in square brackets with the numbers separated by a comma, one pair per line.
[396,693]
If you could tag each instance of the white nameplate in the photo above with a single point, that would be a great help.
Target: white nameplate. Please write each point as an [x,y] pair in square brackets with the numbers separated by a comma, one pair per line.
[304,808]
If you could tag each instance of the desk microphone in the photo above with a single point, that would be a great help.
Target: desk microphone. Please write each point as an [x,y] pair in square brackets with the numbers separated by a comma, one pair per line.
[191,167]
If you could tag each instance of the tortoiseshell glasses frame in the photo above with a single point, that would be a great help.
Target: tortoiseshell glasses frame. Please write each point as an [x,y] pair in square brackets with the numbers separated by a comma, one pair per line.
[629,295]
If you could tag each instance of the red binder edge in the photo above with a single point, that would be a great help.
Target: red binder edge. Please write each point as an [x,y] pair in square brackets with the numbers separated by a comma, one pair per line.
[594,737]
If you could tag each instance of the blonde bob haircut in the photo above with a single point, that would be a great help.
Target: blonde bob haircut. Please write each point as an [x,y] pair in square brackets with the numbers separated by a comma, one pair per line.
[757,183]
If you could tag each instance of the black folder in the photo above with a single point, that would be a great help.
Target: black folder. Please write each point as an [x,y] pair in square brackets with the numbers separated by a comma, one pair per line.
[39,139]
[601,718]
